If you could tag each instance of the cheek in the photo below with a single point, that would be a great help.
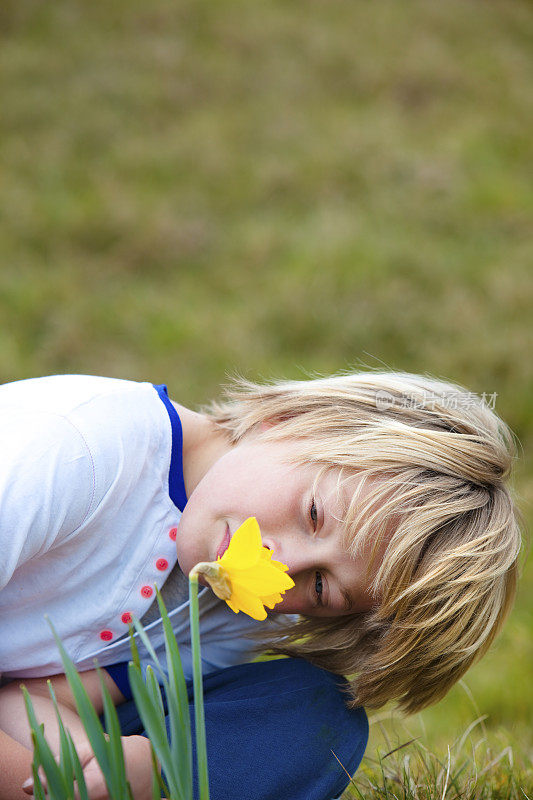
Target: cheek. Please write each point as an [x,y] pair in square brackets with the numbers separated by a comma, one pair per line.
[191,536]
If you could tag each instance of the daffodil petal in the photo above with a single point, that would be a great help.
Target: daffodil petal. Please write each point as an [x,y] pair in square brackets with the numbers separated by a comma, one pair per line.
[243,600]
[245,547]
[234,606]
[279,565]
[271,600]
[267,554]
[262,579]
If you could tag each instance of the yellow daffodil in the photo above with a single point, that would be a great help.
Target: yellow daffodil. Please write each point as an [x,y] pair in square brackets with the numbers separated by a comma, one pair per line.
[246,576]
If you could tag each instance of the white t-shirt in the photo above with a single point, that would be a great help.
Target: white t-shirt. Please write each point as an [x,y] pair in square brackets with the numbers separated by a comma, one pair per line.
[91,493]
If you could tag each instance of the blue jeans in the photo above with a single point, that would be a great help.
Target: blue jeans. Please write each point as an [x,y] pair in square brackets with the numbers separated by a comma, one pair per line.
[271,727]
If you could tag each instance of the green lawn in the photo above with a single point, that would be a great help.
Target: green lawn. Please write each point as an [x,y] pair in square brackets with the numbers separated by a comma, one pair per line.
[193,189]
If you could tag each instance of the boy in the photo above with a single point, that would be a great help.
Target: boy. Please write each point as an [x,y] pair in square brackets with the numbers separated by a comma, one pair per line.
[393,517]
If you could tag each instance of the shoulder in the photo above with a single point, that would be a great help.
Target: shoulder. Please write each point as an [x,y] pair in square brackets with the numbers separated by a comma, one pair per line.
[78,434]
[63,394]
[101,409]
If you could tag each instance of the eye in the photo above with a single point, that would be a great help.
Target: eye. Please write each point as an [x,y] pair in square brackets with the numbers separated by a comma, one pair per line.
[318,588]
[313,513]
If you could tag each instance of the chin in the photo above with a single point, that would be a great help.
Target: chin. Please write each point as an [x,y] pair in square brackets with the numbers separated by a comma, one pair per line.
[184,563]
[187,561]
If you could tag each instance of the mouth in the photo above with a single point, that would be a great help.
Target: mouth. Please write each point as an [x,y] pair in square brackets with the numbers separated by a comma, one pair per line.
[224,543]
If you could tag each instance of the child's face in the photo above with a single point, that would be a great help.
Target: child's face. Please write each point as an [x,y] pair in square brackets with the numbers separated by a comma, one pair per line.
[251,479]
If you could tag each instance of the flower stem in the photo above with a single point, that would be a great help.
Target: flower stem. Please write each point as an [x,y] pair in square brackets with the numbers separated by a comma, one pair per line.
[199,719]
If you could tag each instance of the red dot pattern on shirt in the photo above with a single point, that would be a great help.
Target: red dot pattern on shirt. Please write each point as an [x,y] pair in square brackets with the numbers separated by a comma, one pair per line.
[146,591]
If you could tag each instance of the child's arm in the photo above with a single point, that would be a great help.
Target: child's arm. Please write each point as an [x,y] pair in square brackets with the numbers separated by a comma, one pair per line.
[13,722]
[15,766]
[13,718]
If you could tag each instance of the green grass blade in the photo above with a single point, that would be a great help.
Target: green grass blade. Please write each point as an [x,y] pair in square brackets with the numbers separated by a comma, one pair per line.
[87,713]
[134,649]
[154,724]
[78,771]
[158,784]
[178,704]
[147,643]
[155,697]
[149,696]
[154,691]
[199,718]
[43,755]
[65,759]
[38,790]
[114,743]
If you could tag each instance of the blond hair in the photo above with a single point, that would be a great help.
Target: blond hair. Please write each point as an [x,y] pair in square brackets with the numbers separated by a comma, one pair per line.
[439,457]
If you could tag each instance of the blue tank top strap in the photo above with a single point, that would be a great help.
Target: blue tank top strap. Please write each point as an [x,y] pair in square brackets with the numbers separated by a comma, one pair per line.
[176,484]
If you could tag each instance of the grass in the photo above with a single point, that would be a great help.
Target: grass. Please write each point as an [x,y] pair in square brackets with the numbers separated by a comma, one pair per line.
[469,769]
[194,189]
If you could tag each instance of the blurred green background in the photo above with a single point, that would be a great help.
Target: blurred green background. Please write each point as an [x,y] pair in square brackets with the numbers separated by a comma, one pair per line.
[194,189]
